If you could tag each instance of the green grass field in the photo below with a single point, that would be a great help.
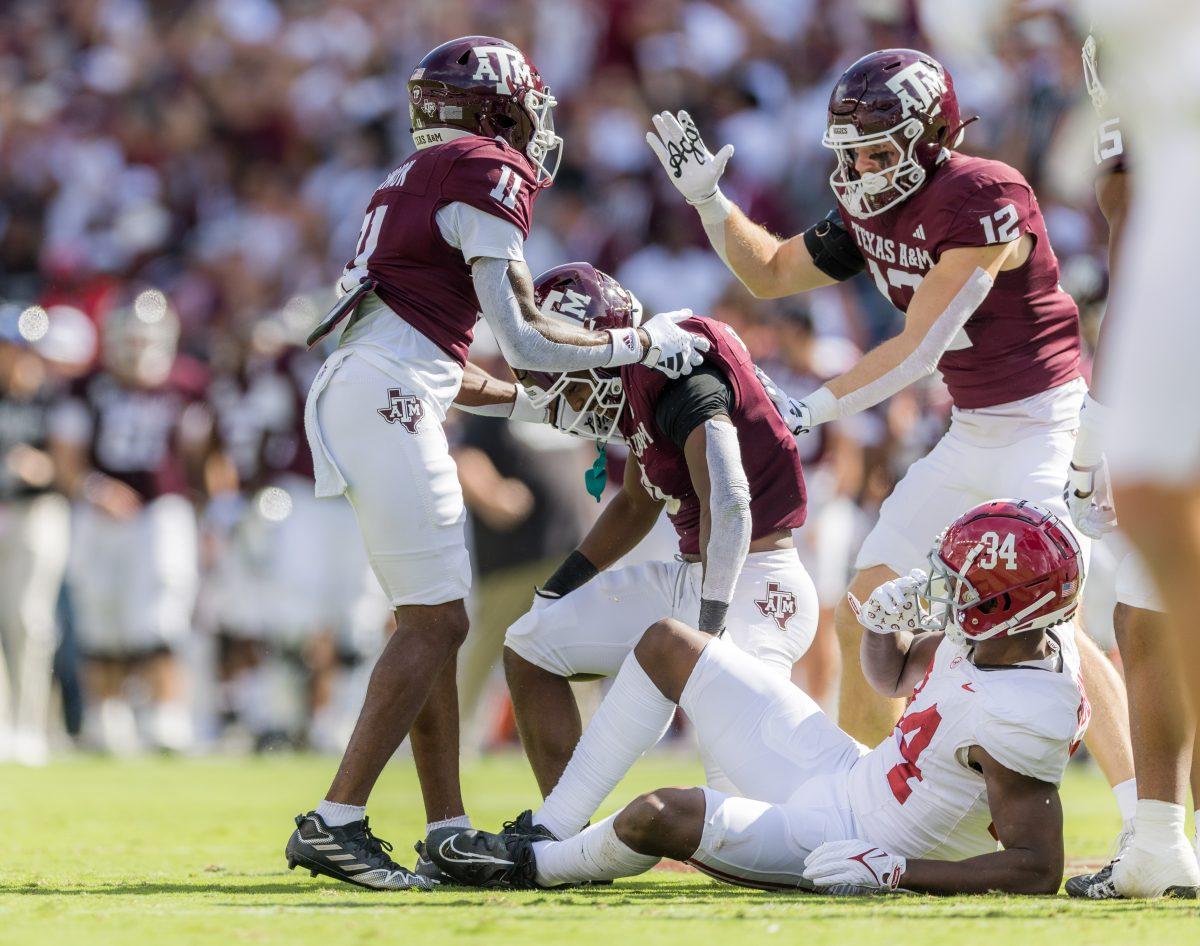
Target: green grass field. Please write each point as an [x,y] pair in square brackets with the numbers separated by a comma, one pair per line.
[190,851]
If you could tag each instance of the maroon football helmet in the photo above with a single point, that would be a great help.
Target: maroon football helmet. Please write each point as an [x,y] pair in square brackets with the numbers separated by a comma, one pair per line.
[583,295]
[485,86]
[900,97]
[1004,567]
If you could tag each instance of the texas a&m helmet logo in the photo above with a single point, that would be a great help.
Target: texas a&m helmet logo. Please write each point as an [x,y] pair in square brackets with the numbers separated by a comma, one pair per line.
[918,86]
[405,409]
[503,65]
[779,604]
[570,303]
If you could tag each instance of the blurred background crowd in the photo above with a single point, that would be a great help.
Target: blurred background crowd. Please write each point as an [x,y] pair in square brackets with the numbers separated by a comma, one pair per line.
[181,181]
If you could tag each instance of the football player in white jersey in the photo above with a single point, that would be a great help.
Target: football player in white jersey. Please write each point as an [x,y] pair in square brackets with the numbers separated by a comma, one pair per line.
[985,647]
[1157,854]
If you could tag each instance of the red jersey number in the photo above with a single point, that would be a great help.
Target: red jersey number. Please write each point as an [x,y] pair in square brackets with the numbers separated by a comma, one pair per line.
[915,732]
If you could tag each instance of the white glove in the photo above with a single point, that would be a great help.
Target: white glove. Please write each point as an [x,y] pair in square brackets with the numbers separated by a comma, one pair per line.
[693,169]
[892,607]
[853,868]
[1089,498]
[795,413]
[349,279]
[525,407]
[673,350]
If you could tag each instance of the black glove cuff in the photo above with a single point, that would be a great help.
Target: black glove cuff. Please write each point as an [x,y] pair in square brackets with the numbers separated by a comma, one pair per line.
[712,615]
[575,570]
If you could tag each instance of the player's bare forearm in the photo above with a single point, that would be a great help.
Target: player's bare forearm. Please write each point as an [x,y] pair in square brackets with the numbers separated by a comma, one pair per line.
[767,266]
[1027,818]
[1013,870]
[625,521]
[1112,194]
[482,389]
[894,663]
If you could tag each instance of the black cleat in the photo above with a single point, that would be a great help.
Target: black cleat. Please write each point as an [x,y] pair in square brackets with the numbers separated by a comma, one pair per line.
[427,868]
[522,826]
[1097,886]
[350,853]
[483,859]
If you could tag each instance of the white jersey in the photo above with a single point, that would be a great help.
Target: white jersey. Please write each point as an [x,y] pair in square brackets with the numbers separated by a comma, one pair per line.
[915,792]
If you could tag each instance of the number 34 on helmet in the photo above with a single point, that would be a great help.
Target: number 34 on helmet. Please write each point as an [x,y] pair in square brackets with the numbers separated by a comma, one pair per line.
[1003,568]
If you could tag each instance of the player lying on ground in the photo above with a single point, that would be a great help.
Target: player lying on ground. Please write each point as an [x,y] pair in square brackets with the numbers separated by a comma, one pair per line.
[712,449]
[959,244]
[996,709]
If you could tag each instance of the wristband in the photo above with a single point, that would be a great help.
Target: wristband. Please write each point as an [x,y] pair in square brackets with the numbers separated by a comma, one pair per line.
[712,616]
[1093,428]
[714,208]
[575,571]
[626,347]
[524,409]
[822,406]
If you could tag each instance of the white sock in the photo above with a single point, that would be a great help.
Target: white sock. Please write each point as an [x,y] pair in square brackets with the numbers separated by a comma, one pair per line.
[1156,823]
[596,853]
[1127,800]
[631,720]
[462,821]
[337,815]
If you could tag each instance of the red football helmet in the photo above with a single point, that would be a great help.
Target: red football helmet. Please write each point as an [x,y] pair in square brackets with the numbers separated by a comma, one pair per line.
[1005,567]
[581,294]
[485,86]
[898,97]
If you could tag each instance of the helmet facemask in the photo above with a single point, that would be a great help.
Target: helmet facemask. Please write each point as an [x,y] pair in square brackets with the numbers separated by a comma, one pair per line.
[544,145]
[867,195]
[597,417]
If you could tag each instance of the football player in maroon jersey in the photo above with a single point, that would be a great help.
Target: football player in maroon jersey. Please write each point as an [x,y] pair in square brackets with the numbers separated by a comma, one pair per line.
[1158,856]
[710,449]
[441,242]
[130,444]
[959,244]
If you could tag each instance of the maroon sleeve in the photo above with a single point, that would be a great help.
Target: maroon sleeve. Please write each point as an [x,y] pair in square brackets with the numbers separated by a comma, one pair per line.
[496,180]
[998,212]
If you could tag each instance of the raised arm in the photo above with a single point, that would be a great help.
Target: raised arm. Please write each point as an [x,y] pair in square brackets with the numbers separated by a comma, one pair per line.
[766,265]
[894,658]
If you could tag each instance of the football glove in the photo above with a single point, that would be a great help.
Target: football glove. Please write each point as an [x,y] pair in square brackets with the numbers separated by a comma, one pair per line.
[673,350]
[795,413]
[892,607]
[1088,494]
[692,168]
[853,868]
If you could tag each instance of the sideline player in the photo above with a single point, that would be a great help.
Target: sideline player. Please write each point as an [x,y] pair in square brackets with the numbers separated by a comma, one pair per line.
[442,241]
[996,710]
[129,445]
[1159,855]
[959,244]
[713,451]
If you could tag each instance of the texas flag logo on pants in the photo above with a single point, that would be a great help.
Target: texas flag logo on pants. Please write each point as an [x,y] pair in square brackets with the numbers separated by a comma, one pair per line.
[779,604]
[406,409]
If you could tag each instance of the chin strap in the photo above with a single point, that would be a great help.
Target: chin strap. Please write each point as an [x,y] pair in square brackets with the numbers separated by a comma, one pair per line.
[954,139]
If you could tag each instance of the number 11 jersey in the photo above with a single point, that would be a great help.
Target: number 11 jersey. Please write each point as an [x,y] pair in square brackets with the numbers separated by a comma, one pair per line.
[916,792]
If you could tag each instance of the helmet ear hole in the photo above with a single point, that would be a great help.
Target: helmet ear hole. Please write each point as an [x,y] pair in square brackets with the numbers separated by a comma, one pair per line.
[462,60]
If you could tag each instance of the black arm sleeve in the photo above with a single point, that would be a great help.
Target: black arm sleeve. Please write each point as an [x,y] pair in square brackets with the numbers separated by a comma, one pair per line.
[686,403]
[833,249]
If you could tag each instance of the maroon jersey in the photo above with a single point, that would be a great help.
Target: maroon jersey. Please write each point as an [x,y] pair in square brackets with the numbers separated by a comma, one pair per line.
[769,455]
[136,432]
[1024,338]
[419,275]
[259,414]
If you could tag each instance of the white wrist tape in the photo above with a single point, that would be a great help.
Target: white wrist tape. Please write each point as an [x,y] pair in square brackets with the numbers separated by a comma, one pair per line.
[923,360]
[822,406]
[626,347]
[714,211]
[1093,430]
[729,508]
[523,408]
